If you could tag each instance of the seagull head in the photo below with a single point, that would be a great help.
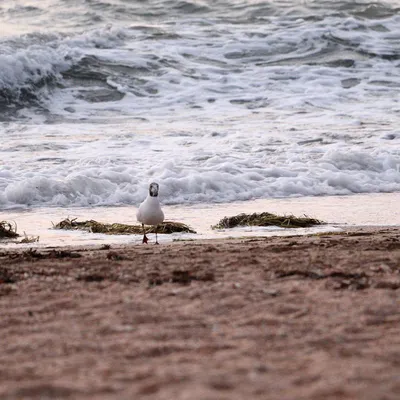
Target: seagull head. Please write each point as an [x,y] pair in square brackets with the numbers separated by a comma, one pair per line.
[153,189]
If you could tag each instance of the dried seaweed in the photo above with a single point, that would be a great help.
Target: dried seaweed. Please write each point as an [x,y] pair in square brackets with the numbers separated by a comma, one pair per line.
[7,230]
[29,239]
[92,226]
[266,219]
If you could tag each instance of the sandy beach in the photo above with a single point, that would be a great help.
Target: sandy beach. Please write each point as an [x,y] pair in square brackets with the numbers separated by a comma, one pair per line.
[213,109]
[312,317]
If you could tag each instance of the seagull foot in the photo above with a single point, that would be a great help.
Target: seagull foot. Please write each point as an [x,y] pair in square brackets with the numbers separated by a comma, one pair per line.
[145,239]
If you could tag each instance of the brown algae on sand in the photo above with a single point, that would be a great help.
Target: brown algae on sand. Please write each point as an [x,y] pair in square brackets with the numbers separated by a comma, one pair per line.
[92,226]
[266,219]
[7,230]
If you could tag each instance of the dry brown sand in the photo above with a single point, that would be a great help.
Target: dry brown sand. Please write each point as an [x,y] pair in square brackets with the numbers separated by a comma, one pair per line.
[264,318]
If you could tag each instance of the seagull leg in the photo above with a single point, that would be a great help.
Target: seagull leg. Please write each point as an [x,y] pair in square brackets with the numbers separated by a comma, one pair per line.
[156,235]
[145,240]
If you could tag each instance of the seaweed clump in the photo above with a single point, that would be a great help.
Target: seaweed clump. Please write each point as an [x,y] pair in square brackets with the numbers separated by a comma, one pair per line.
[266,219]
[92,226]
[7,230]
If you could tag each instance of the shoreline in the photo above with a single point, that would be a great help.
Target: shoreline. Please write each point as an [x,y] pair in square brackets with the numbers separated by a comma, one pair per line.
[337,230]
[284,317]
[354,210]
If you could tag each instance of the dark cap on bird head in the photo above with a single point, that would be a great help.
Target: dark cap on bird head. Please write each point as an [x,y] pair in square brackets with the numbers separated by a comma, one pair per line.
[153,189]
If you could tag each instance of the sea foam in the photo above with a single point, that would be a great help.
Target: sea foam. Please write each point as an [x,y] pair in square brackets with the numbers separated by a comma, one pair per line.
[220,175]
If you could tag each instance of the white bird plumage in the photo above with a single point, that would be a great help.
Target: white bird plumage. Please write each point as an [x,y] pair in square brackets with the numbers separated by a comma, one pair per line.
[150,212]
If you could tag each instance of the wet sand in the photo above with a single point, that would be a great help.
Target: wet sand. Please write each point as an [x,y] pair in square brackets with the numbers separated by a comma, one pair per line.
[339,212]
[313,317]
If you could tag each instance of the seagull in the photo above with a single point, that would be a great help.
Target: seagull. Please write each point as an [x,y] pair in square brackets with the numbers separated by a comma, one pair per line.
[150,212]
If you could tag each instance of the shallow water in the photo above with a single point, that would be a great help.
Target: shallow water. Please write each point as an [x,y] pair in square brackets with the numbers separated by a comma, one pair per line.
[338,211]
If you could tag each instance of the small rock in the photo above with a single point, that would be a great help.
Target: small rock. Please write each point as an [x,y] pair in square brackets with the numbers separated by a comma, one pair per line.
[381,268]
[272,292]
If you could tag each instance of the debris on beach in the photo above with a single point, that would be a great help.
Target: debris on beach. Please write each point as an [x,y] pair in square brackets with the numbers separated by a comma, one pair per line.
[7,230]
[92,226]
[29,239]
[266,219]
[6,276]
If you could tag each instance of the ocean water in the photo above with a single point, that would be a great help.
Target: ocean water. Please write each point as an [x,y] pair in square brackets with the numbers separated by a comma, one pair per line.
[217,100]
